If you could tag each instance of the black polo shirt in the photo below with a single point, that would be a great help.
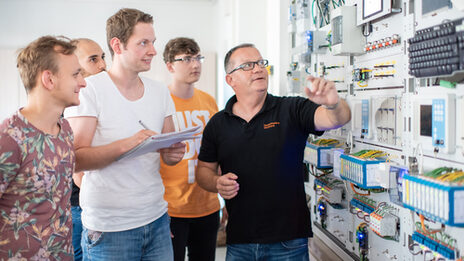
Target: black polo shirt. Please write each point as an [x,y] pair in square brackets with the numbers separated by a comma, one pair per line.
[75,195]
[267,156]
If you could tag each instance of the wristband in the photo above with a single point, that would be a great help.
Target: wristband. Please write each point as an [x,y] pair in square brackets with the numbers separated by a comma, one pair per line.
[332,107]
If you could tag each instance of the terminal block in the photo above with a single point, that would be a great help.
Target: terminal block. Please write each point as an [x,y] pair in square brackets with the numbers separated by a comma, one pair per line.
[435,245]
[360,171]
[331,189]
[383,223]
[435,197]
[321,154]
[365,204]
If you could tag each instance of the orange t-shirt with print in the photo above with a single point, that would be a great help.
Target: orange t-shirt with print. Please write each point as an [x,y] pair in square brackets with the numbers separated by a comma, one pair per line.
[184,196]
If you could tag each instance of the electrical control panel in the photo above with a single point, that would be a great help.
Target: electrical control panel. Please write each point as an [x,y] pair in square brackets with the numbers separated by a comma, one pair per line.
[393,190]
[434,120]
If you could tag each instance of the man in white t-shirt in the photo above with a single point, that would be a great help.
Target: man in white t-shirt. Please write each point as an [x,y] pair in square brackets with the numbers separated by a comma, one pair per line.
[124,213]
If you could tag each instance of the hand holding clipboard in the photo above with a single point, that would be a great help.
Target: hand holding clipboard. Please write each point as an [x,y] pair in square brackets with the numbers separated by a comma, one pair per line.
[160,141]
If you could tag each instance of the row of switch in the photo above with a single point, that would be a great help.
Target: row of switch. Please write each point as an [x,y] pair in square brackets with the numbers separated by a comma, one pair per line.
[431,33]
[383,43]
[436,50]
[433,63]
[440,42]
[439,70]
[431,57]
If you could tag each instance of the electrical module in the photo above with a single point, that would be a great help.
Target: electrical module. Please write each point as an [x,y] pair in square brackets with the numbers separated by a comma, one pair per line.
[362,167]
[438,194]
[320,152]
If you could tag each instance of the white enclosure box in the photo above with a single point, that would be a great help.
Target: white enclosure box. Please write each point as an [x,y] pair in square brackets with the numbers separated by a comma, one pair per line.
[347,38]
[434,121]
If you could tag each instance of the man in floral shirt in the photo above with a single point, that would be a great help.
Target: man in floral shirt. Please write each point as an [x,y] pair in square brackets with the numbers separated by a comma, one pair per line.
[37,157]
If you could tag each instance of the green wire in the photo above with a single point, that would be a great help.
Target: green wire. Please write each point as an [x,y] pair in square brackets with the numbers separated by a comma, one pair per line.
[359,153]
[438,172]
[312,13]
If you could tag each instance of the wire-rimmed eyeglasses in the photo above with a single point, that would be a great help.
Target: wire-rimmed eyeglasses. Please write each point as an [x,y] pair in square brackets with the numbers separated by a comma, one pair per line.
[250,65]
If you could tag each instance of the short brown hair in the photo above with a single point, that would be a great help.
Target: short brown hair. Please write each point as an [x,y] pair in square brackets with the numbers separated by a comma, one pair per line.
[121,25]
[179,45]
[41,55]
[231,51]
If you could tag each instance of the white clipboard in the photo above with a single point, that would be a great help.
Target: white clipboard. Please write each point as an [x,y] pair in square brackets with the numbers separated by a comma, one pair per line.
[161,141]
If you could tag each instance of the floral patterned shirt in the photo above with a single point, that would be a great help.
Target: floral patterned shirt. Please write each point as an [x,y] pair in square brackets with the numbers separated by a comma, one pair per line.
[35,188]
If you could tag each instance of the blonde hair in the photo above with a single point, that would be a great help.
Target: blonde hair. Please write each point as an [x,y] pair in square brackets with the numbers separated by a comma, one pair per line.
[41,55]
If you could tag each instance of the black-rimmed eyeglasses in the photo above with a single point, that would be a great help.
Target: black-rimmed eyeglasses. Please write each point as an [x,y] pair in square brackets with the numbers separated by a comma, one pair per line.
[250,65]
[189,59]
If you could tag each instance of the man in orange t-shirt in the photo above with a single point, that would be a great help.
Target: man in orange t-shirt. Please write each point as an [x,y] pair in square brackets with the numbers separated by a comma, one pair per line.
[194,211]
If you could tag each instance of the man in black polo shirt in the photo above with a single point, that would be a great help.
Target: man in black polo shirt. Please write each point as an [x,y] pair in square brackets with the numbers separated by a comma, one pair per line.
[258,140]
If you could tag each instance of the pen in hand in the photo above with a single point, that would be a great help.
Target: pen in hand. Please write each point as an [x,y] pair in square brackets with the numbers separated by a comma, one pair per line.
[146,128]
[143,125]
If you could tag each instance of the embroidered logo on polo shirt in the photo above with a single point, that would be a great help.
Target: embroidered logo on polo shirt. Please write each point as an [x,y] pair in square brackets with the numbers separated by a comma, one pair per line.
[271,124]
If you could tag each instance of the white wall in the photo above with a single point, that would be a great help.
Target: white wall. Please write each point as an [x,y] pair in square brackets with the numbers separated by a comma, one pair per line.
[12,93]
[278,44]
[22,21]
[217,25]
[240,21]
[261,22]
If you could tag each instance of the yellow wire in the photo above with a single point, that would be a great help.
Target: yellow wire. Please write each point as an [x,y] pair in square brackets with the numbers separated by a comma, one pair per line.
[373,154]
[370,153]
[450,176]
[362,86]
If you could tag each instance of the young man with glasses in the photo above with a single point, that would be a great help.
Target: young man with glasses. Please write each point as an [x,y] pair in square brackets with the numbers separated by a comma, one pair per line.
[258,141]
[194,211]
[123,211]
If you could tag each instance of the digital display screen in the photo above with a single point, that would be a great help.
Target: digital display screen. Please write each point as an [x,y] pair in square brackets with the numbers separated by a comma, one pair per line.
[433,5]
[371,7]
[426,120]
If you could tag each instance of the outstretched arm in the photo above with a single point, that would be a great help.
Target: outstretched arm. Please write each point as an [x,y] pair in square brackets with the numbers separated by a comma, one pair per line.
[335,112]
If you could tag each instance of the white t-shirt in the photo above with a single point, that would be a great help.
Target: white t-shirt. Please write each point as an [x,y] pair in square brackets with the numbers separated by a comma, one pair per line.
[128,193]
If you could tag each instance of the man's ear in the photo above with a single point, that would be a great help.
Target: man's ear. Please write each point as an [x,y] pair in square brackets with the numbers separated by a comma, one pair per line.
[47,79]
[170,67]
[116,45]
[229,80]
